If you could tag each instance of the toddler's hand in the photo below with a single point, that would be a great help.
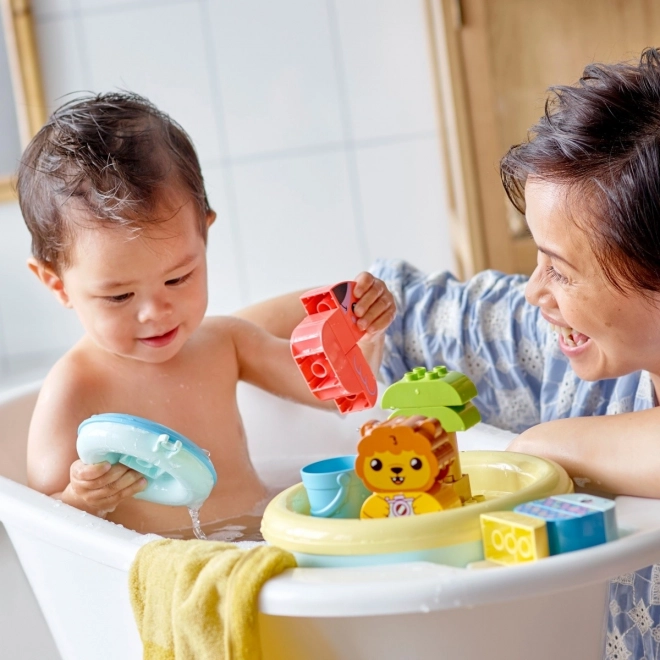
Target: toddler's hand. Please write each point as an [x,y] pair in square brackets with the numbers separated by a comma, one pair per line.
[100,487]
[375,308]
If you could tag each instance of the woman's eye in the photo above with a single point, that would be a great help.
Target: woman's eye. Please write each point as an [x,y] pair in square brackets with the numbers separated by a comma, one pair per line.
[178,280]
[555,275]
[120,298]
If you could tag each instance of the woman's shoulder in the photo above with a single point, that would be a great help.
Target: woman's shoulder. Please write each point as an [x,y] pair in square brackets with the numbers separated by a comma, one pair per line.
[403,278]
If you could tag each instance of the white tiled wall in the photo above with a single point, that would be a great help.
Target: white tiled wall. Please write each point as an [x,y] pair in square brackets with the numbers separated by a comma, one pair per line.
[313,119]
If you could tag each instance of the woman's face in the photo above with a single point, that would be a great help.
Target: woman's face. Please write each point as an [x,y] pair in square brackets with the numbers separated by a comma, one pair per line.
[604,332]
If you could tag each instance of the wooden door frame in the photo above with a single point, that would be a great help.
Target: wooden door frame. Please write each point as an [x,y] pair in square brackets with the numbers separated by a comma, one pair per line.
[26,78]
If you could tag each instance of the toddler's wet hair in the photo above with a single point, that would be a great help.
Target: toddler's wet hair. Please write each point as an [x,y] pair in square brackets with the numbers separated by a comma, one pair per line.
[112,156]
[601,139]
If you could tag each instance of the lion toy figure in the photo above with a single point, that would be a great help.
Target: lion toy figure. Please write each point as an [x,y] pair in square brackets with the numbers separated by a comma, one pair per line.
[399,460]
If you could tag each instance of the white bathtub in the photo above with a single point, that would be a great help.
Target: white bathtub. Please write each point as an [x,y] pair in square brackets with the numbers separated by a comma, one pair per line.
[76,567]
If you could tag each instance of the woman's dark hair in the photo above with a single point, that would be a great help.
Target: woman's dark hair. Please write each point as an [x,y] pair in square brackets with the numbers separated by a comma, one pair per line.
[601,139]
[114,154]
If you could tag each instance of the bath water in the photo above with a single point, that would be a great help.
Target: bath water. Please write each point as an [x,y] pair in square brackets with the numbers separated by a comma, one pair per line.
[244,527]
[240,528]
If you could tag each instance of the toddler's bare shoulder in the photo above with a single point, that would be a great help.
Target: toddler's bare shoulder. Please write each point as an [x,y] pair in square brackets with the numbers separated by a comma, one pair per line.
[74,380]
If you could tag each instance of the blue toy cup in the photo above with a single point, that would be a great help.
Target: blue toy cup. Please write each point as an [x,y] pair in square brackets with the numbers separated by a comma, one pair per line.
[333,488]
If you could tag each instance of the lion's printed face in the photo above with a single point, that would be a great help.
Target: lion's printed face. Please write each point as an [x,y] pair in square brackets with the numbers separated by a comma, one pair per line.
[395,457]
[408,470]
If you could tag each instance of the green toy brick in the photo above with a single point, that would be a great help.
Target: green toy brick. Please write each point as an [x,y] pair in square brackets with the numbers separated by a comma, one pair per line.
[420,388]
[452,418]
[438,393]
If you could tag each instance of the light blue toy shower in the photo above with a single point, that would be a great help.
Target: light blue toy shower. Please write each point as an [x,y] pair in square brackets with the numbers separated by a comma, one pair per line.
[178,472]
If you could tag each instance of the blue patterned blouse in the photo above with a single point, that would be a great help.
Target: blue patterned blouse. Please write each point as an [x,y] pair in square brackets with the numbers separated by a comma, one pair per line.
[485,328]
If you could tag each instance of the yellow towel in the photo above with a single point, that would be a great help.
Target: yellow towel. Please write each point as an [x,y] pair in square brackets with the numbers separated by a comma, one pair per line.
[198,600]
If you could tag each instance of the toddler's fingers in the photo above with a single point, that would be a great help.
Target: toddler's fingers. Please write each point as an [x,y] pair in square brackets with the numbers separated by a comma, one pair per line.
[82,478]
[382,322]
[381,311]
[369,296]
[363,281]
[109,504]
[88,472]
[124,479]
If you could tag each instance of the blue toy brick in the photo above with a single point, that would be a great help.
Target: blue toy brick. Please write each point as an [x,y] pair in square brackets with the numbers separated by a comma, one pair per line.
[574,521]
[606,506]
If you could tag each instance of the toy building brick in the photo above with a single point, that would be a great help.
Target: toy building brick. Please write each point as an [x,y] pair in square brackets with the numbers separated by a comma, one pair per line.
[513,538]
[446,396]
[574,520]
[324,346]
[401,460]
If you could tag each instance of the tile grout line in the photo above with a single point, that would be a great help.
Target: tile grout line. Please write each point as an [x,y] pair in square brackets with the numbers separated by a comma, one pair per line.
[347,130]
[132,6]
[321,149]
[4,352]
[223,143]
[81,42]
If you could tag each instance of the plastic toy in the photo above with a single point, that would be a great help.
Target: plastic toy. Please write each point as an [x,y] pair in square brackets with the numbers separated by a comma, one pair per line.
[574,521]
[551,526]
[513,538]
[178,472]
[324,346]
[445,396]
[451,537]
[333,488]
[399,460]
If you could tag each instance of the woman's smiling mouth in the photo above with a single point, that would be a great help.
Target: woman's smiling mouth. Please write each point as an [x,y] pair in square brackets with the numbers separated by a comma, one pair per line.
[572,338]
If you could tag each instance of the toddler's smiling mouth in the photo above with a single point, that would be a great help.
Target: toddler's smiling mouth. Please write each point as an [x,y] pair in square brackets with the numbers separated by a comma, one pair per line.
[158,341]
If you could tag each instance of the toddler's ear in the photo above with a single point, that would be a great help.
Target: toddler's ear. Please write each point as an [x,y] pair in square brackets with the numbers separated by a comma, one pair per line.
[50,278]
[210,218]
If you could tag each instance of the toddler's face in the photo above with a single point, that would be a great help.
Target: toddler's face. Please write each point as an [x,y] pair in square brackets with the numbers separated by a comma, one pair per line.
[140,295]
[605,333]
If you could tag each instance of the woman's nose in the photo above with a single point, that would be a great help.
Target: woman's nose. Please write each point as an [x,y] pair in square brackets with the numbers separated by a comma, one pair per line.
[536,291]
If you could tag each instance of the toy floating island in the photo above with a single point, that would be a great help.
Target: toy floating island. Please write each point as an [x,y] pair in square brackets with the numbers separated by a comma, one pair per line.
[423,500]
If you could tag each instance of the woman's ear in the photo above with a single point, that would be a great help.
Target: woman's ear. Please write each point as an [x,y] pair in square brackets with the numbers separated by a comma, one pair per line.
[51,279]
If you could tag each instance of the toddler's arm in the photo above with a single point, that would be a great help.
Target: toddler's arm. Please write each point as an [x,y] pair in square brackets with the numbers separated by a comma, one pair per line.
[264,358]
[375,311]
[53,465]
[281,315]
[619,454]
[278,316]
[266,361]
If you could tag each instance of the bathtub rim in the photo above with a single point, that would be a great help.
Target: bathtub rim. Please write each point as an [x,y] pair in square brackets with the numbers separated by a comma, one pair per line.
[341,592]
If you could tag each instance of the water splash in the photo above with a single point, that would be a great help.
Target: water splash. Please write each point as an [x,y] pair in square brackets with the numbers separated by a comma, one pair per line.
[197,528]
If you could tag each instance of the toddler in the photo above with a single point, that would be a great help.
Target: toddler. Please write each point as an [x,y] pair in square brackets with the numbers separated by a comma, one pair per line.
[112,193]
[570,357]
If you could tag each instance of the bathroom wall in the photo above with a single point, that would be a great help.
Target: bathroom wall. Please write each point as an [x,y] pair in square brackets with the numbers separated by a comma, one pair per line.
[315,125]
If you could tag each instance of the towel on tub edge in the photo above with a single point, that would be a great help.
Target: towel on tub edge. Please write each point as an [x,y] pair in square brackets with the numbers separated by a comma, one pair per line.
[198,600]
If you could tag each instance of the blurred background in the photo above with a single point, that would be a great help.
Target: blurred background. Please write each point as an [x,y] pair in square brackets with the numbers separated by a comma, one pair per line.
[330,132]
[314,121]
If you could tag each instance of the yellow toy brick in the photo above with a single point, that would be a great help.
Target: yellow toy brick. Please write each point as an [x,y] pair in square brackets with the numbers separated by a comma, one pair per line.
[513,538]
[446,495]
